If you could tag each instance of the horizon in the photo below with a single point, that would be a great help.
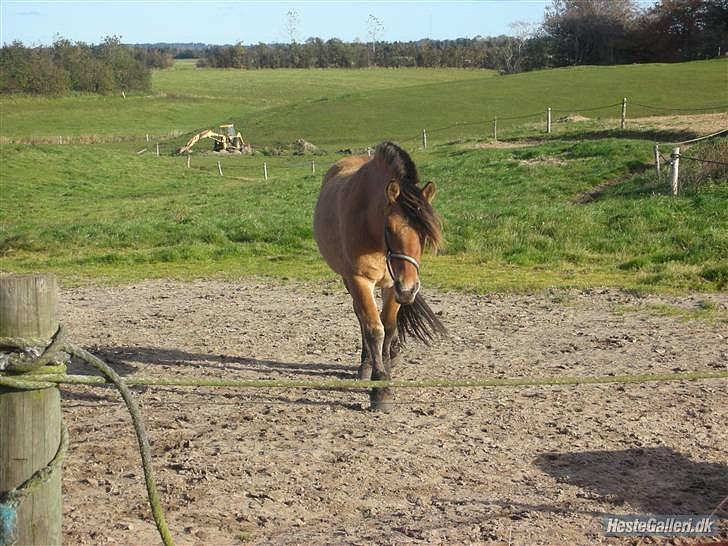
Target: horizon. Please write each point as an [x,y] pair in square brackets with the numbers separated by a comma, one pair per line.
[251,22]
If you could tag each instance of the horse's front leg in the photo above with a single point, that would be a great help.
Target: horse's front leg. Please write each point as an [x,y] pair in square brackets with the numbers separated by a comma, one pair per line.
[362,292]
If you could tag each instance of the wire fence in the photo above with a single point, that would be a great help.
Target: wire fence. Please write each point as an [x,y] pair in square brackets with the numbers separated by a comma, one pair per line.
[265,165]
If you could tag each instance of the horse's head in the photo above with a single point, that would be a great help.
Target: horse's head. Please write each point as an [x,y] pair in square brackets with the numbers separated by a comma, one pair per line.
[410,224]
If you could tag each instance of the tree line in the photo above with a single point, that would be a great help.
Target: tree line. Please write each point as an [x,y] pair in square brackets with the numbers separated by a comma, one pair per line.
[64,66]
[574,32]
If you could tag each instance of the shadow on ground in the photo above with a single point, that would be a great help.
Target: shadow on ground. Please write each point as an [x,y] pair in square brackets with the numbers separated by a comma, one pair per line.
[654,480]
[127,361]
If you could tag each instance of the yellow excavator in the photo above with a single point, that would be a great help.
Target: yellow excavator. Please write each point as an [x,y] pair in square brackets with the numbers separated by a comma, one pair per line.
[226,140]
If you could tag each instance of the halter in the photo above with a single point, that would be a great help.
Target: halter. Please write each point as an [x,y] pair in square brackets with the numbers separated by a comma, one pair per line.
[391,255]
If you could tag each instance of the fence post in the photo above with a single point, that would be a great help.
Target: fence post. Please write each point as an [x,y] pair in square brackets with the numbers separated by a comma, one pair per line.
[675,166]
[424,138]
[219,168]
[157,149]
[548,120]
[265,170]
[657,161]
[495,128]
[623,122]
[313,166]
[188,161]
[30,420]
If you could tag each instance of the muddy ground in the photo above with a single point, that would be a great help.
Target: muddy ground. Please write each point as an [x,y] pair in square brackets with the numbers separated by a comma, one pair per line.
[521,466]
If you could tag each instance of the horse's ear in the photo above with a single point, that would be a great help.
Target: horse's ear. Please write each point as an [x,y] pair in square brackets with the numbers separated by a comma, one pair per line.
[429,191]
[392,191]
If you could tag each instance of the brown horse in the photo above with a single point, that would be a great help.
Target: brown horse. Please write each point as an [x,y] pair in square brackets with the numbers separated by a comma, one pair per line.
[372,223]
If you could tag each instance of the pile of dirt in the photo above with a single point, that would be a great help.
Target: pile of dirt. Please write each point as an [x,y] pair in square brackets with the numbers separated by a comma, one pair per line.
[298,147]
[572,119]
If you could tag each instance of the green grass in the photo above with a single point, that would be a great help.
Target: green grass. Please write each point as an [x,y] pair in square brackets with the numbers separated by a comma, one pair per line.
[451,110]
[103,212]
[185,99]
[509,220]
[704,310]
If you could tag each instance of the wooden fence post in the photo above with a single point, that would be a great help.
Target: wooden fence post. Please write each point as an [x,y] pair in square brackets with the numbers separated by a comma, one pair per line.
[623,122]
[657,161]
[157,149]
[674,170]
[424,138]
[548,120]
[313,166]
[30,421]
[495,128]
[219,168]
[188,161]
[265,170]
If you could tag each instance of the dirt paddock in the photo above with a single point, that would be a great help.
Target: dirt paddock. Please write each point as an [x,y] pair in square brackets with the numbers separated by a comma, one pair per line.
[519,466]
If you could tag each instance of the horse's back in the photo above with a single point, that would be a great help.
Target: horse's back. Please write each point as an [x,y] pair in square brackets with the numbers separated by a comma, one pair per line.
[332,208]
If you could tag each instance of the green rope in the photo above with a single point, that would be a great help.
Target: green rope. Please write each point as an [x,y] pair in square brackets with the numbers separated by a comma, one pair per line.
[10,500]
[40,477]
[30,372]
[144,449]
[28,362]
[348,384]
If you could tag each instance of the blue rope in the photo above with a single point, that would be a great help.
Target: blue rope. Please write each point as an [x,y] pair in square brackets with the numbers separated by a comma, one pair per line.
[8,518]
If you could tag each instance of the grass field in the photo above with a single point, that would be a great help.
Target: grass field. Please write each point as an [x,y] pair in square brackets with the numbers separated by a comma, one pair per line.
[103,212]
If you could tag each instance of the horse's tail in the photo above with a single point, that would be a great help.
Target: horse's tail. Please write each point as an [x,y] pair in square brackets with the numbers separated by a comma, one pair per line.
[419,320]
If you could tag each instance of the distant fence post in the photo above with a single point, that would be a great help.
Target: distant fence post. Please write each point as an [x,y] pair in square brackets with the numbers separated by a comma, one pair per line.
[219,168]
[424,138]
[147,137]
[674,168]
[30,420]
[657,161]
[548,120]
[495,128]
[188,161]
[265,170]
[623,122]
[157,149]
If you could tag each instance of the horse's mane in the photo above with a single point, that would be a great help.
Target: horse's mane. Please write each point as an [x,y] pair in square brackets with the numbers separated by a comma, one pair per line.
[418,211]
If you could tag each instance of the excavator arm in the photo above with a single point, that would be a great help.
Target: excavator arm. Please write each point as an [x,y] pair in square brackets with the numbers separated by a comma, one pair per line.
[209,133]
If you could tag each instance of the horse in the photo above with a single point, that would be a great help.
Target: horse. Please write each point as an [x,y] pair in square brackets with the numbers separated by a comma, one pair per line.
[372,223]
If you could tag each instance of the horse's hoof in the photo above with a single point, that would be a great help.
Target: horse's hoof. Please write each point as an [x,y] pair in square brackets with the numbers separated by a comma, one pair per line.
[381,400]
[395,361]
[364,373]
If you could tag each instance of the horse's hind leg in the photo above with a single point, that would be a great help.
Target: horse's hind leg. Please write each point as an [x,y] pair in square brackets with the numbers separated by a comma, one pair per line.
[391,346]
[365,367]
[362,292]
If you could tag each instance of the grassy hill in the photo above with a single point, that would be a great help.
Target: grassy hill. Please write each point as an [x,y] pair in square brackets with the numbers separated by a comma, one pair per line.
[512,220]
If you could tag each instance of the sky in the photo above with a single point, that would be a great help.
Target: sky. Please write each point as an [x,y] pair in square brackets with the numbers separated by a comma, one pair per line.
[227,22]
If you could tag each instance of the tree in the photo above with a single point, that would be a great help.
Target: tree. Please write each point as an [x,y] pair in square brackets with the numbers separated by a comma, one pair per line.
[588,31]
[682,30]
[374,29]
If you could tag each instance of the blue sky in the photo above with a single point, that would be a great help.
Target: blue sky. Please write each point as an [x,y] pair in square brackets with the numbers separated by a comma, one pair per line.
[253,22]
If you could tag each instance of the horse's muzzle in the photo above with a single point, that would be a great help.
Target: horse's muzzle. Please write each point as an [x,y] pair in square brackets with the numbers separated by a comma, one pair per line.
[405,296]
